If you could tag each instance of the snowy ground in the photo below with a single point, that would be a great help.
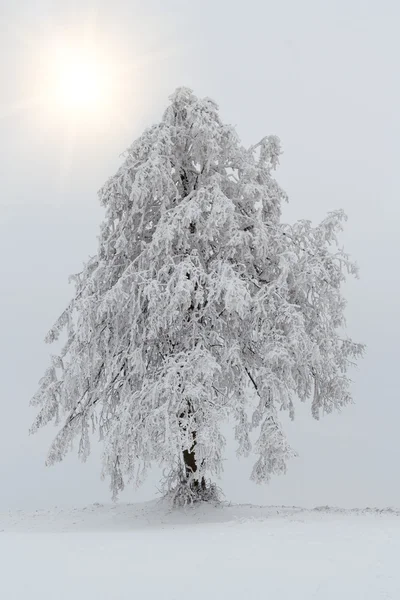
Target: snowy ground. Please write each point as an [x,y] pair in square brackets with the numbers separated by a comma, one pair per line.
[146,552]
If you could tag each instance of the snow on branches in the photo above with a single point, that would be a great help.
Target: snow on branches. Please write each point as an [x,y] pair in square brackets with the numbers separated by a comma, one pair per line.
[200,305]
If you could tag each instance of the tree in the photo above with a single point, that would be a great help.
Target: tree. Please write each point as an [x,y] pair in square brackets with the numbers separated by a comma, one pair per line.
[199,305]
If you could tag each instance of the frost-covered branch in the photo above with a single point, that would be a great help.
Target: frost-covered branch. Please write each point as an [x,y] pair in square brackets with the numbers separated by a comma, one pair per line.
[199,305]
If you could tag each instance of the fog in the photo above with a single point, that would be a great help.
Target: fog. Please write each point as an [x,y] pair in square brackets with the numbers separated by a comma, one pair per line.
[324,78]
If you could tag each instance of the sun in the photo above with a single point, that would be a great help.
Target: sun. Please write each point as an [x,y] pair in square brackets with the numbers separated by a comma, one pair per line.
[80,82]
[80,85]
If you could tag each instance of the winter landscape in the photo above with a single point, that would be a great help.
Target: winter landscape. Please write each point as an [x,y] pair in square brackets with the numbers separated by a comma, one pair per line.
[214,410]
[226,552]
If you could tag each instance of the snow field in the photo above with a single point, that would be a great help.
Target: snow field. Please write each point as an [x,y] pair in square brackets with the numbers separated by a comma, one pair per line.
[236,552]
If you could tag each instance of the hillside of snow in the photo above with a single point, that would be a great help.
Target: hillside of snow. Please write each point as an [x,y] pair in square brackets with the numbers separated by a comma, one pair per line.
[148,552]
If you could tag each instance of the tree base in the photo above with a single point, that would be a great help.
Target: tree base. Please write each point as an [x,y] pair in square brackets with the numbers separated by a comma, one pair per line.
[182,491]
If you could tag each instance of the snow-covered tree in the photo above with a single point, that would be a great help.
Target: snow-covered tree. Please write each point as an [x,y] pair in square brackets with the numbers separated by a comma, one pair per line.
[200,305]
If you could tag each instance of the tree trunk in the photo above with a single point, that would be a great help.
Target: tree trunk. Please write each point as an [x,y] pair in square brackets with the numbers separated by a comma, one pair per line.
[189,459]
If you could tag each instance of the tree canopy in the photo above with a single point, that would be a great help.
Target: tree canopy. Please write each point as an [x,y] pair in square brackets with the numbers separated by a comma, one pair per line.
[200,305]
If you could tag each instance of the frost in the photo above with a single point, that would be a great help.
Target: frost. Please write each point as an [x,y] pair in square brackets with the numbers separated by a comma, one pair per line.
[200,305]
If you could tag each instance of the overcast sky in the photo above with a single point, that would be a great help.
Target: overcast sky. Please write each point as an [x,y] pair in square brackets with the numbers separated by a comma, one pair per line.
[324,77]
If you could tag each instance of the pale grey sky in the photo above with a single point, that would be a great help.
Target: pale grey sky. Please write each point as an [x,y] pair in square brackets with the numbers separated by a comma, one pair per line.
[321,75]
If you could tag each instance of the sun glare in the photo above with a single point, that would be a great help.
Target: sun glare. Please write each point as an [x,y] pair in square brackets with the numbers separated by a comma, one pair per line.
[79,85]
[81,82]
